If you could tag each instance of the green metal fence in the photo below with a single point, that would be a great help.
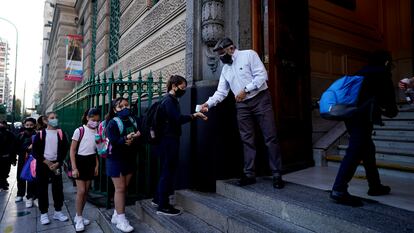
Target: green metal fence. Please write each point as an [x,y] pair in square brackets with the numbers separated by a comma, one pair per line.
[98,92]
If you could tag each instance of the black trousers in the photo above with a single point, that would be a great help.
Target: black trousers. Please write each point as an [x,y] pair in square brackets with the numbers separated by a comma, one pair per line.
[43,175]
[5,165]
[168,152]
[258,111]
[21,184]
[360,148]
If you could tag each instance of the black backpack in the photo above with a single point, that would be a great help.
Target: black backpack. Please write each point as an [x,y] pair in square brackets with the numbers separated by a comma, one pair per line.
[154,122]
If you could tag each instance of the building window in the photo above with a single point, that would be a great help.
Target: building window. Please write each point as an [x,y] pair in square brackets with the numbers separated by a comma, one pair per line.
[348,4]
[114,32]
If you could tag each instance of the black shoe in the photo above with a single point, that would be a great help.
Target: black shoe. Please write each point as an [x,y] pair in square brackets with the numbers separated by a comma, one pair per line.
[344,198]
[170,211]
[379,190]
[278,183]
[246,181]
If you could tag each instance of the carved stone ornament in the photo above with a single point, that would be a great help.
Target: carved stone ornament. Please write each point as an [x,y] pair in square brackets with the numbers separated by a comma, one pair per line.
[212,28]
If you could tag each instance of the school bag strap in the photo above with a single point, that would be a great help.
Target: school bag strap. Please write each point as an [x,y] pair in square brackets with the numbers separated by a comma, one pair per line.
[59,131]
[81,134]
[120,124]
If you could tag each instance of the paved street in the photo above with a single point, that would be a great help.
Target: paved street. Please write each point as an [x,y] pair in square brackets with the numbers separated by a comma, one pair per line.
[15,218]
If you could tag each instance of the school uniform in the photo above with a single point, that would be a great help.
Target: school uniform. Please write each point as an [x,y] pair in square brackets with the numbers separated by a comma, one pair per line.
[54,149]
[121,159]
[24,140]
[86,153]
[169,147]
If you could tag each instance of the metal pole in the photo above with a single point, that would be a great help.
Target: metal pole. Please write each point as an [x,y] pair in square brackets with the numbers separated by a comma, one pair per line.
[15,70]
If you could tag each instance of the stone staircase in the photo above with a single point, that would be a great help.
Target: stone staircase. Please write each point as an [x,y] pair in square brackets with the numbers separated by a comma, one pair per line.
[394,144]
[259,208]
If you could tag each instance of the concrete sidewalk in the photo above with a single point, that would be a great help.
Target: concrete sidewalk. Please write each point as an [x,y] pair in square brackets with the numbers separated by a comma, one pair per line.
[16,218]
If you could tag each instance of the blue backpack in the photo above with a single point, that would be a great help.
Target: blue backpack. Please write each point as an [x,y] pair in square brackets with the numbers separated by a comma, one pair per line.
[339,101]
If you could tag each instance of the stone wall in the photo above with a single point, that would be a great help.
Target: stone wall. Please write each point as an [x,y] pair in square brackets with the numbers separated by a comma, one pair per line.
[63,24]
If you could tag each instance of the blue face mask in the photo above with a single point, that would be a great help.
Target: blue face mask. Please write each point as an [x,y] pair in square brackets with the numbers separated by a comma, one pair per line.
[124,113]
[53,122]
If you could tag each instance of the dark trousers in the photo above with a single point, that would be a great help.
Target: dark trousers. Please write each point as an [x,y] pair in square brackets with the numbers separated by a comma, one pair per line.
[255,112]
[43,175]
[21,184]
[5,165]
[360,148]
[168,152]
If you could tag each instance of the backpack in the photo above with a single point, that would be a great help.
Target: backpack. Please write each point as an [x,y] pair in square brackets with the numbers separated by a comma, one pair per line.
[339,101]
[59,131]
[153,123]
[67,163]
[102,142]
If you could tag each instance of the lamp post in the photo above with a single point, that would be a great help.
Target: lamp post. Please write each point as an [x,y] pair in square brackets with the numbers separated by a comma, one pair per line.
[15,70]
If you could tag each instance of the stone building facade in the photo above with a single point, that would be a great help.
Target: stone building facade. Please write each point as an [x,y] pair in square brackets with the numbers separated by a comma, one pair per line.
[302,43]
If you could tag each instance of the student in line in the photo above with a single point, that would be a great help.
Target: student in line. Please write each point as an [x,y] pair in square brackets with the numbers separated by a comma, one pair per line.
[168,148]
[49,150]
[24,148]
[123,133]
[84,162]
[7,154]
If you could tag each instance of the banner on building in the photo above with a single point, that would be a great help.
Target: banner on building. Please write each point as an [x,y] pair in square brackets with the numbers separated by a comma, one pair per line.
[74,58]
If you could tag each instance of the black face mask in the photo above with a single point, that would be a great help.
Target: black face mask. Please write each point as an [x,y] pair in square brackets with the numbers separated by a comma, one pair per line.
[30,130]
[226,59]
[179,93]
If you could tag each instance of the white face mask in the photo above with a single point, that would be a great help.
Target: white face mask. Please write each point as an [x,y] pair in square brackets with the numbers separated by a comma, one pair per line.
[92,124]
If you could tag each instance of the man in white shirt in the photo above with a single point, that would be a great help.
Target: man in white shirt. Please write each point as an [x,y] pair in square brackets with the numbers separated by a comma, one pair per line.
[245,75]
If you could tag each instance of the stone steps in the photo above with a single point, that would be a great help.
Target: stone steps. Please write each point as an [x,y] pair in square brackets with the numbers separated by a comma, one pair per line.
[230,216]
[311,209]
[104,221]
[184,223]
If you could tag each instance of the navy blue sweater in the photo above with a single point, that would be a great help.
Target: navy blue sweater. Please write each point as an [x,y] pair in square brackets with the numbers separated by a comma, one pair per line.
[172,114]
[119,148]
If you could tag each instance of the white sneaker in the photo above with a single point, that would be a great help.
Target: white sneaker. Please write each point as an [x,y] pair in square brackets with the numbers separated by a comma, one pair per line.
[58,215]
[79,226]
[44,219]
[86,221]
[29,203]
[114,219]
[18,199]
[123,225]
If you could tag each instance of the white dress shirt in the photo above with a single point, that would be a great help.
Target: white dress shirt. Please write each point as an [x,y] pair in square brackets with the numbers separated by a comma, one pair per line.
[247,72]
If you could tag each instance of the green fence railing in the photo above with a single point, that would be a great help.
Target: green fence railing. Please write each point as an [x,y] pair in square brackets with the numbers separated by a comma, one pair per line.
[98,92]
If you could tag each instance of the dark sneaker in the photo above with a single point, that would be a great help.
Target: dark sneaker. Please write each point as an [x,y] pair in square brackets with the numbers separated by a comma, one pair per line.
[278,183]
[246,181]
[170,211]
[379,190]
[344,198]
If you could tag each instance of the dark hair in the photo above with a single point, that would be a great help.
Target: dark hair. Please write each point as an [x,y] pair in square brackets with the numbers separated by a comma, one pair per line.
[40,123]
[114,103]
[175,80]
[50,113]
[379,57]
[29,119]
[90,112]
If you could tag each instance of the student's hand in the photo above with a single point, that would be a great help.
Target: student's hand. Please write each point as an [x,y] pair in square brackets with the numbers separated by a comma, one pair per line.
[128,142]
[30,147]
[136,135]
[54,166]
[200,115]
[241,96]
[75,173]
[96,171]
[405,83]
[204,108]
